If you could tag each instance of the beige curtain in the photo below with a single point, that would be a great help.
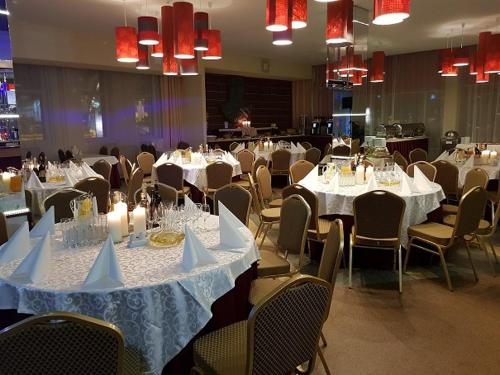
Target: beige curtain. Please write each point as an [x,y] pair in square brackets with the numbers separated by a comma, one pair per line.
[301,100]
[322,97]
[170,93]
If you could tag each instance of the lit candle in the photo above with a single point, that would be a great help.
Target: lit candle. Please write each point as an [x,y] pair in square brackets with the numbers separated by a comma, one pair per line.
[6,181]
[485,154]
[368,173]
[493,155]
[266,145]
[360,175]
[121,208]
[139,220]
[115,225]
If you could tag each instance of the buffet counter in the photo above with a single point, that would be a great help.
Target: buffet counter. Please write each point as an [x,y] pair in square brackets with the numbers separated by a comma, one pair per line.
[405,145]
[10,155]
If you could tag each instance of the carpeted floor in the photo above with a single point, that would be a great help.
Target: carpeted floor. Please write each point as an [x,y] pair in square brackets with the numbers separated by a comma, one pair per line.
[372,329]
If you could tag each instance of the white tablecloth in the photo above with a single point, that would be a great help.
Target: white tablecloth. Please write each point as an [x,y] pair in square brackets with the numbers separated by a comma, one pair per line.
[295,155]
[464,167]
[418,205]
[160,308]
[195,174]
[92,159]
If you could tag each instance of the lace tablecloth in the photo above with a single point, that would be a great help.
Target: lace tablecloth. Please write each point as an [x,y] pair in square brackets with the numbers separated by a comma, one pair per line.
[195,174]
[418,205]
[160,308]
[92,159]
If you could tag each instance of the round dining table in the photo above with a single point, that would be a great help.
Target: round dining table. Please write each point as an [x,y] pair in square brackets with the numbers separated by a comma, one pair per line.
[160,308]
[340,202]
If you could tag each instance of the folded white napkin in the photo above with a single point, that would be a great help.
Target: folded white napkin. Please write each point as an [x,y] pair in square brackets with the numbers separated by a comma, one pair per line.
[34,182]
[89,172]
[470,162]
[72,165]
[188,202]
[17,246]
[230,158]
[71,181]
[239,148]
[233,233]
[49,165]
[195,254]
[372,184]
[407,185]
[341,141]
[161,160]
[300,147]
[293,148]
[45,225]
[203,161]
[444,156]
[36,266]
[105,272]
[421,181]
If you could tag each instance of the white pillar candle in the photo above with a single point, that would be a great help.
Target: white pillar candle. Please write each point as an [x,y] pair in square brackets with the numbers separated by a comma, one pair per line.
[368,173]
[139,220]
[485,154]
[493,154]
[121,208]
[6,181]
[115,225]
[360,175]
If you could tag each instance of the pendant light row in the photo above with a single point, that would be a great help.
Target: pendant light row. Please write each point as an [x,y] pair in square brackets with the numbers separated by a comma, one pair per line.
[485,60]
[183,34]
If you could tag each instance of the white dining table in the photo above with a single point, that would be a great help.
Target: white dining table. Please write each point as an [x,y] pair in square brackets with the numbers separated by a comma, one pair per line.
[91,159]
[340,202]
[159,309]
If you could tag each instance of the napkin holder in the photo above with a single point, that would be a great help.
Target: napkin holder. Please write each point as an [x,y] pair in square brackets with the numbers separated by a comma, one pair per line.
[137,240]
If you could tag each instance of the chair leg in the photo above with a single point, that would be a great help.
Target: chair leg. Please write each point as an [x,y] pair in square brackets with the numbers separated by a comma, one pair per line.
[268,226]
[493,250]
[323,339]
[350,262]
[482,246]
[394,261]
[467,247]
[323,362]
[445,269]
[400,268]
[407,254]
[258,230]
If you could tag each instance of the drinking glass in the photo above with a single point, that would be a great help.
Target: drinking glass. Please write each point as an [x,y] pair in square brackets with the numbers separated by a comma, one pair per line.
[205,209]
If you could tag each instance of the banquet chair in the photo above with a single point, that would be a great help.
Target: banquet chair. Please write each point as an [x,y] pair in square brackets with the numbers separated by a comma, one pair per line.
[417,154]
[246,159]
[145,160]
[4,235]
[236,199]
[341,150]
[374,229]
[218,175]
[440,238]
[173,175]
[167,193]
[327,150]
[256,164]
[400,160]
[103,168]
[313,155]
[355,146]
[474,177]
[103,150]
[115,151]
[126,168]
[281,333]
[65,343]
[99,188]
[280,162]
[484,234]
[494,198]
[61,155]
[299,170]
[447,177]
[60,201]
[306,145]
[265,188]
[426,168]
[134,184]
[233,145]
[267,216]
[318,227]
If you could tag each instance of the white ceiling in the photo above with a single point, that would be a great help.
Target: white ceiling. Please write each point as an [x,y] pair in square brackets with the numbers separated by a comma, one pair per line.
[242,23]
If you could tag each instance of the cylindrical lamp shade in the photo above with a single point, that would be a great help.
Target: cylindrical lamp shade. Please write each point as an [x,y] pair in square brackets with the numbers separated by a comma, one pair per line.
[126,44]
[331,70]
[447,68]
[183,30]
[461,57]
[282,38]
[148,31]
[358,63]
[492,56]
[200,28]
[389,12]
[158,49]
[472,65]
[357,78]
[481,76]
[169,63]
[378,67]
[143,63]
[278,15]
[339,29]
[299,14]
[189,67]
[214,46]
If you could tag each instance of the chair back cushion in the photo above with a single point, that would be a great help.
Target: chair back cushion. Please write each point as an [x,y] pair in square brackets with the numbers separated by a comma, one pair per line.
[60,201]
[313,155]
[99,188]
[309,197]
[446,176]
[264,182]
[426,168]
[475,177]
[171,174]
[103,168]
[246,158]
[341,150]
[295,216]
[256,164]
[236,199]
[470,211]
[300,169]
[418,154]
[134,184]
[400,160]
[219,174]
[280,160]
[333,250]
[167,193]
[146,161]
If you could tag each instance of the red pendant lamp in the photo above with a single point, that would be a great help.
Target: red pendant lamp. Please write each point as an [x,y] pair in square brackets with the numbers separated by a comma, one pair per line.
[462,57]
[482,47]
[157,49]
[169,63]
[339,26]
[282,38]
[278,13]
[447,68]
[200,27]
[183,30]
[143,63]
[378,67]
[126,44]
[299,14]
[390,12]
[492,55]
[148,31]
[357,79]
[331,70]
[472,65]
[188,67]
[214,46]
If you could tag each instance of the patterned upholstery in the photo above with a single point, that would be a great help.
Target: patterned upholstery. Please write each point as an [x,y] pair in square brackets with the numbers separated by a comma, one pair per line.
[418,154]
[236,199]
[256,164]
[99,187]
[146,161]
[447,177]
[103,168]
[300,169]
[246,159]
[427,169]
[280,162]
[265,187]
[313,155]
[60,200]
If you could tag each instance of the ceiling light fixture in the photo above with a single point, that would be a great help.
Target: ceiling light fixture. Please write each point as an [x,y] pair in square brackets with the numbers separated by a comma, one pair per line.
[169,63]
[148,30]
[492,56]
[461,54]
[482,46]
[143,63]
[282,38]
[339,26]
[183,30]
[157,49]
[472,65]
[378,67]
[126,41]
[189,67]
[390,12]
[200,27]
[5,12]
[299,14]
[214,46]
[278,14]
